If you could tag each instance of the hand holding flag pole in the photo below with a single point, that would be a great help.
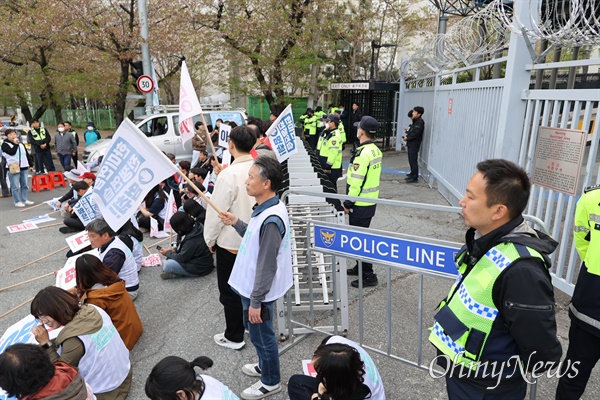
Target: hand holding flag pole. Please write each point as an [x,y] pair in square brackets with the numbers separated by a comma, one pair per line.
[189,182]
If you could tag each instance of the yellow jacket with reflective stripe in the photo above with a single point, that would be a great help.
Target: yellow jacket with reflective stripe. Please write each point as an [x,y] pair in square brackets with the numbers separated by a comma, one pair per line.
[587,229]
[333,145]
[364,173]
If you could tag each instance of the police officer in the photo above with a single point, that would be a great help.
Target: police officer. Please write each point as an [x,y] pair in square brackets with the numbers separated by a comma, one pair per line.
[330,150]
[311,123]
[499,316]
[40,140]
[584,334]
[364,173]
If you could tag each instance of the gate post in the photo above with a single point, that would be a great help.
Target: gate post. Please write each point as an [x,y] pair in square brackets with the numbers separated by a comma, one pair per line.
[517,78]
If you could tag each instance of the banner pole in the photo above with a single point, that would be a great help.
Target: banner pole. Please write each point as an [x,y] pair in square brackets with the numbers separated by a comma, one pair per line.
[27,281]
[17,307]
[189,181]
[40,259]
[212,147]
[32,207]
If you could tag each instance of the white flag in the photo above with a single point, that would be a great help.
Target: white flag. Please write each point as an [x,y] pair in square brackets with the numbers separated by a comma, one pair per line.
[188,105]
[224,131]
[282,135]
[226,158]
[154,232]
[81,168]
[171,209]
[131,167]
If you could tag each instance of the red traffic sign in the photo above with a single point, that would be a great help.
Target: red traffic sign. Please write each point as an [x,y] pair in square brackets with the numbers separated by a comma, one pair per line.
[145,84]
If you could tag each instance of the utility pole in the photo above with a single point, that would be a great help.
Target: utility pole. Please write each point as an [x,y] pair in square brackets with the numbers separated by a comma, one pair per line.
[146,60]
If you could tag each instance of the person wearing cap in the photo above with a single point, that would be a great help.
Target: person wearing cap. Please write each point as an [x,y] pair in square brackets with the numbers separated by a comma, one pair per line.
[310,122]
[364,173]
[330,153]
[89,178]
[91,135]
[72,176]
[40,141]
[341,126]
[72,221]
[414,137]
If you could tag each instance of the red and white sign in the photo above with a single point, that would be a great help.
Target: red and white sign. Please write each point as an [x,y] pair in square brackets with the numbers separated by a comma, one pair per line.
[21,227]
[65,277]
[152,260]
[145,84]
[450,105]
[308,368]
[78,241]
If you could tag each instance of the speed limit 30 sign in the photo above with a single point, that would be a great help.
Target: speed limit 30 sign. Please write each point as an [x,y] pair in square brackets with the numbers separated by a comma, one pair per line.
[145,84]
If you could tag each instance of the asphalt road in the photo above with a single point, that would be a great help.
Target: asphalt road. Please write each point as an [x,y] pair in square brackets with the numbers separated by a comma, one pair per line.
[181,316]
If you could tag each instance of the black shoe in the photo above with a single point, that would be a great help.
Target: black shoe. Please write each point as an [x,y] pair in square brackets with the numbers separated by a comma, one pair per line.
[66,229]
[371,281]
[352,271]
[411,180]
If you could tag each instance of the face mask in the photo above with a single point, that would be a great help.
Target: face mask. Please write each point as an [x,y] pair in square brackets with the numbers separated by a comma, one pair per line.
[410,114]
[90,128]
[61,129]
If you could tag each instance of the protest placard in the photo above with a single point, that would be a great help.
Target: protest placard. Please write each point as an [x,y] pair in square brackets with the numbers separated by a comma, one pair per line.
[171,210]
[78,241]
[131,167]
[226,159]
[308,368]
[188,105]
[282,135]
[152,260]
[65,277]
[224,131]
[53,203]
[86,208]
[40,219]
[21,227]
[154,232]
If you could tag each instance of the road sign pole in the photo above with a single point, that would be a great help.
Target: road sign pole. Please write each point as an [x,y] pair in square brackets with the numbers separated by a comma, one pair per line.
[146,60]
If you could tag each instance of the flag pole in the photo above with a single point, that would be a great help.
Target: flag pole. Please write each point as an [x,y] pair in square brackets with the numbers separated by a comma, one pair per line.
[32,207]
[41,258]
[17,307]
[212,147]
[189,181]
[27,281]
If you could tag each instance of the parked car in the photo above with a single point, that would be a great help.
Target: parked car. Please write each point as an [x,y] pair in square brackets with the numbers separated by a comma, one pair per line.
[163,130]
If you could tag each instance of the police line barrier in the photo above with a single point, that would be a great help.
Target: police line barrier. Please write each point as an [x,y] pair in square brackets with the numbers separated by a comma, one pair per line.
[420,255]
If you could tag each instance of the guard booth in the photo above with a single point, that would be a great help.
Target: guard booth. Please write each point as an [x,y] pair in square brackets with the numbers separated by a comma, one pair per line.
[377,99]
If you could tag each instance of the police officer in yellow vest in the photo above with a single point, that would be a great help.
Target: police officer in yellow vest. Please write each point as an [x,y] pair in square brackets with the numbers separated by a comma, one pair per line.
[363,176]
[499,316]
[311,122]
[584,334]
[40,140]
[330,150]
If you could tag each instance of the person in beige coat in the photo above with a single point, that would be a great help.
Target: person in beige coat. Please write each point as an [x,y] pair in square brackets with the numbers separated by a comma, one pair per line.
[230,195]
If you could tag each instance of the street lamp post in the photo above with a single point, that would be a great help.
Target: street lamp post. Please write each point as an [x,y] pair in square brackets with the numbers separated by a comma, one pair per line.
[373,47]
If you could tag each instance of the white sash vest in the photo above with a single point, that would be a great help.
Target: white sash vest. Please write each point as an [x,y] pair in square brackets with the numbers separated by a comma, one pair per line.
[105,364]
[129,270]
[215,390]
[244,269]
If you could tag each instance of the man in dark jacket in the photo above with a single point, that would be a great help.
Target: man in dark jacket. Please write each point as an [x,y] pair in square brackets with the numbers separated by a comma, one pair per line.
[40,140]
[414,137]
[355,118]
[498,320]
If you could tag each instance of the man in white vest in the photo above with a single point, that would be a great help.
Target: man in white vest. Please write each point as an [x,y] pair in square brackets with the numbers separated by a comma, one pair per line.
[262,272]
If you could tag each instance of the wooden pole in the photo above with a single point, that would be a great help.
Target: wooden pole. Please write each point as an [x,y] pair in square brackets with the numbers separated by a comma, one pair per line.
[17,307]
[32,207]
[212,147]
[147,249]
[27,281]
[48,226]
[189,181]
[40,259]
[161,241]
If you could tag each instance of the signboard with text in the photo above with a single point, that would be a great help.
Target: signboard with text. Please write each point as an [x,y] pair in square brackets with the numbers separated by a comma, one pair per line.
[416,254]
[558,159]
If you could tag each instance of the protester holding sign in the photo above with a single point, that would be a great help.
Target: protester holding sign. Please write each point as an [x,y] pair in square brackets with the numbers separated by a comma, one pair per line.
[105,368]
[27,372]
[154,206]
[72,222]
[191,257]
[116,253]
[175,378]
[99,285]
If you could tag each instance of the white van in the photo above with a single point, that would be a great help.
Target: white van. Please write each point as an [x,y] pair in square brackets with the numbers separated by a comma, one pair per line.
[163,130]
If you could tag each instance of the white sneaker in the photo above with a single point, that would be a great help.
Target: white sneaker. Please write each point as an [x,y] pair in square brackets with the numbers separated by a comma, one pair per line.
[221,340]
[251,370]
[29,202]
[259,391]
[19,204]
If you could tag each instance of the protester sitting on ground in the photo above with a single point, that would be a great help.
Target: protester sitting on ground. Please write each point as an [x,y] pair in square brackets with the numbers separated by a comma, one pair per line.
[16,156]
[203,161]
[191,257]
[154,206]
[116,253]
[27,373]
[105,368]
[194,210]
[99,285]
[72,176]
[198,174]
[72,222]
[345,371]
[137,237]
[173,378]
[89,178]
[189,193]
